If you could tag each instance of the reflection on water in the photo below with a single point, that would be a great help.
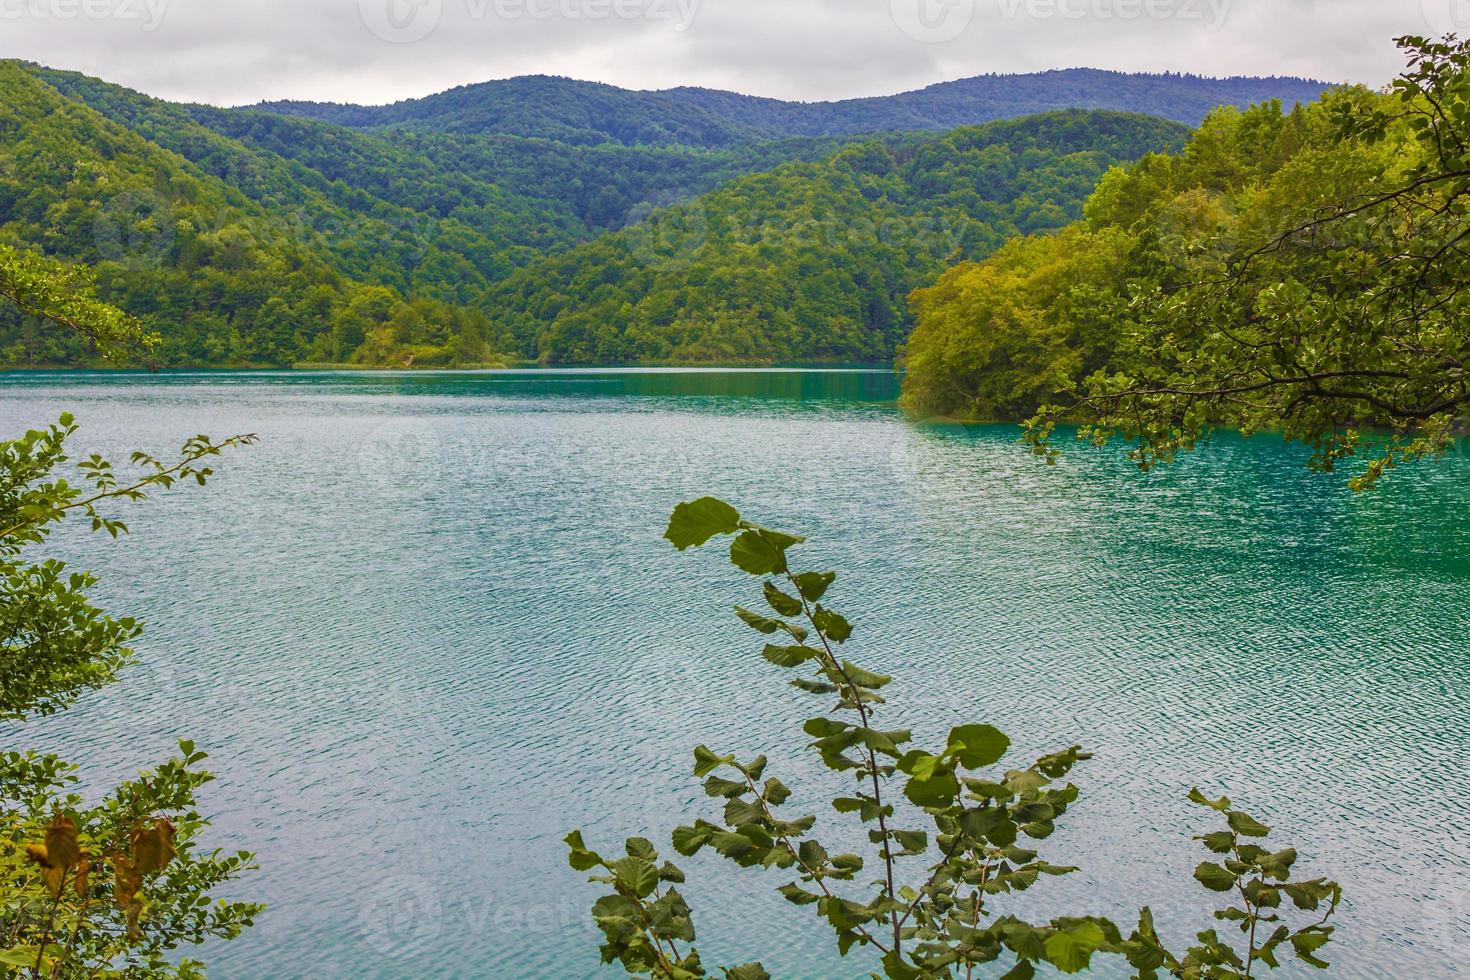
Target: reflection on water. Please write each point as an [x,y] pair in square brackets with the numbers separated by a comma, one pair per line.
[428,625]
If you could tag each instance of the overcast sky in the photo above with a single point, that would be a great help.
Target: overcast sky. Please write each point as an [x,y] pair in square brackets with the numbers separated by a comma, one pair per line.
[373,51]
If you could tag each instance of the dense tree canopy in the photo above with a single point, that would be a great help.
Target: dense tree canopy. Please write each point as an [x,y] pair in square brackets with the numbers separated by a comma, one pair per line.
[224,276]
[590,113]
[812,261]
[242,237]
[1302,271]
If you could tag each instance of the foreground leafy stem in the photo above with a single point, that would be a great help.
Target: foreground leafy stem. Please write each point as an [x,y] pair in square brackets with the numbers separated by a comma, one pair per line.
[953,838]
[1259,878]
[54,644]
[109,888]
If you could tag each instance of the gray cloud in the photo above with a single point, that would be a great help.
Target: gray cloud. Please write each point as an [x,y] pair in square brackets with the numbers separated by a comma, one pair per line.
[240,51]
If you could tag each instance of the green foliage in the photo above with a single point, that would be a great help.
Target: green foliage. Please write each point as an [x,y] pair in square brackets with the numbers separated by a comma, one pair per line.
[1298,272]
[952,837]
[235,260]
[109,888]
[997,339]
[62,645]
[1260,879]
[587,113]
[812,261]
[63,294]
[243,237]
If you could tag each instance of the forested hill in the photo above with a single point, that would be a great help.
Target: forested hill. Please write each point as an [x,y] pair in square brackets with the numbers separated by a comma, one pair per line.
[588,112]
[986,98]
[246,237]
[814,261]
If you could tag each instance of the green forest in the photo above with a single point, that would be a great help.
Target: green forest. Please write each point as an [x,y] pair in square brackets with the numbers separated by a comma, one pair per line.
[1297,270]
[538,231]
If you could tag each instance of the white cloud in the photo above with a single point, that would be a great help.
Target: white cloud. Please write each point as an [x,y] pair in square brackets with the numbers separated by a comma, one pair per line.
[380,50]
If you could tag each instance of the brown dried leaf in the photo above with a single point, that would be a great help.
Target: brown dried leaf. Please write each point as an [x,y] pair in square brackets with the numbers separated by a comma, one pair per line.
[134,910]
[62,848]
[153,848]
[126,880]
[83,879]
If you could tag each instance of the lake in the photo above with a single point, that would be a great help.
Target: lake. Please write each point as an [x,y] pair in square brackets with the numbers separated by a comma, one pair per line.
[429,625]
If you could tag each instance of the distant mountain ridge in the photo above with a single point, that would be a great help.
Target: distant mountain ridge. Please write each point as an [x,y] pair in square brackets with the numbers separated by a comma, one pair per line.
[592,112]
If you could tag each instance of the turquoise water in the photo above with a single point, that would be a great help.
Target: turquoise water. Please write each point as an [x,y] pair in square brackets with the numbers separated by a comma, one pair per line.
[428,625]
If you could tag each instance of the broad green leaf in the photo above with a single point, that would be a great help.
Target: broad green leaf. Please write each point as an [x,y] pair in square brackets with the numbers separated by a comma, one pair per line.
[579,857]
[1214,877]
[894,968]
[776,792]
[706,762]
[936,790]
[974,746]
[1070,950]
[1222,804]
[752,552]
[796,896]
[757,622]
[1023,970]
[688,840]
[747,971]
[730,845]
[979,822]
[824,727]
[789,656]
[635,874]
[739,812]
[833,625]
[640,847]
[694,523]
[864,678]
[1308,941]
[1246,825]
[917,762]
[814,585]
[716,786]
[782,603]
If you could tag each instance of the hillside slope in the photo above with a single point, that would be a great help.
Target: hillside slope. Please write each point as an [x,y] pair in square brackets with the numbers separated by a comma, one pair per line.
[232,265]
[814,261]
[249,237]
[586,112]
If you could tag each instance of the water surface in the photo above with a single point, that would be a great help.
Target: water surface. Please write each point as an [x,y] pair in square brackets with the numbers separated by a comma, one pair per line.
[428,625]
